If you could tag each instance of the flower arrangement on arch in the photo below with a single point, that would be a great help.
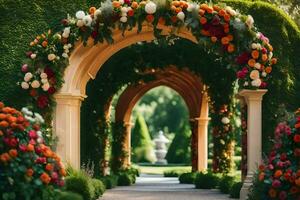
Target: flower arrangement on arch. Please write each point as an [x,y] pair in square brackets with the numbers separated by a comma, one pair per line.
[217,26]
[279,177]
[27,165]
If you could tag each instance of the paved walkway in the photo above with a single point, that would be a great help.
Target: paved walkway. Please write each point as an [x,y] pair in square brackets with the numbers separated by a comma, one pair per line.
[155,187]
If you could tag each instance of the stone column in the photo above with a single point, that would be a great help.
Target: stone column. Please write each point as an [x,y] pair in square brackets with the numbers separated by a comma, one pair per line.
[67,127]
[127,142]
[253,99]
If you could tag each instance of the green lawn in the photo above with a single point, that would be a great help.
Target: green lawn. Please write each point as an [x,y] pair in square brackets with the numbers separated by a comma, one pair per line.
[151,169]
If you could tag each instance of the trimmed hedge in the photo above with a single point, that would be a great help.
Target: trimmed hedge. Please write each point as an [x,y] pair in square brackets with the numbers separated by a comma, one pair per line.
[188,178]
[81,185]
[69,196]
[235,190]
[174,173]
[99,188]
[110,181]
[226,184]
[207,180]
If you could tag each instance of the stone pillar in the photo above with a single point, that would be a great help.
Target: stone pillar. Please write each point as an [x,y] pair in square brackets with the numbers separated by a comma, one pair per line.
[127,142]
[67,127]
[253,99]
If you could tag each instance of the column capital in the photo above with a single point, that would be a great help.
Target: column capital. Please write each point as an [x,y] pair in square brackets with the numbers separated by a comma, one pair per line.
[252,95]
[69,99]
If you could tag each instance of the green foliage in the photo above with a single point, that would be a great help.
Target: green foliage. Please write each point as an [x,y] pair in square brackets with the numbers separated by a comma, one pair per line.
[69,196]
[126,177]
[142,147]
[226,184]
[173,173]
[80,183]
[110,181]
[206,180]
[188,178]
[235,190]
[99,188]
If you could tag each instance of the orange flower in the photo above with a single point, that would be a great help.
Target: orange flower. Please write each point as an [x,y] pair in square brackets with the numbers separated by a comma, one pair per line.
[175,3]
[261,176]
[268,70]
[1,133]
[130,13]
[227,17]
[222,12]
[2,116]
[205,33]
[226,30]
[297,181]
[230,37]
[31,44]
[116,4]
[178,9]
[274,61]
[161,21]
[92,10]
[255,54]
[201,12]
[174,19]
[1,105]
[264,57]
[270,47]
[45,178]
[30,147]
[225,40]
[272,193]
[294,190]
[134,5]
[297,125]
[29,172]
[261,168]
[209,10]
[230,48]
[203,20]
[62,172]
[278,174]
[173,8]
[216,8]
[150,18]
[214,39]
[4,124]
[49,167]
[251,62]
[13,153]
[204,6]
[4,157]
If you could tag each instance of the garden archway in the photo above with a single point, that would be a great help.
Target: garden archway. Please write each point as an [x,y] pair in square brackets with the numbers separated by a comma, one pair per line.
[191,89]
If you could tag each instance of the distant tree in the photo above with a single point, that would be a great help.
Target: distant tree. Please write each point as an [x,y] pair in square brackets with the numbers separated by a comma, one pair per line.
[141,143]
[180,150]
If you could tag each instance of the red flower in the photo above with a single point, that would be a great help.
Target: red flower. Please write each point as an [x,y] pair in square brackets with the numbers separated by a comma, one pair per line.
[51,90]
[243,58]
[49,72]
[42,101]
[94,34]
[297,152]
[297,138]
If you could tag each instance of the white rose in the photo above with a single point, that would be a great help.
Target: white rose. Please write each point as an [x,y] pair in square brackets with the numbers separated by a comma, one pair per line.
[246,83]
[124,10]
[123,14]
[80,14]
[80,23]
[33,56]
[35,84]
[256,83]
[254,74]
[46,87]
[65,55]
[254,46]
[222,141]
[25,85]
[28,76]
[65,35]
[123,19]
[87,20]
[51,57]
[225,120]
[150,7]
[230,11]
[270,55]
[39,133]
[181,16]
[69,45]
[44,80]
[97,13]
[191,7]
[67,30]
[40,140]
[258,46]
[67,51]
[43,75]
[250,21]
[257,65]
[66,46]
[121,2]
[263,74]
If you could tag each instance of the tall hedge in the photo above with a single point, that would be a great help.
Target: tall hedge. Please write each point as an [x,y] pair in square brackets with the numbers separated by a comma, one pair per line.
[141,143]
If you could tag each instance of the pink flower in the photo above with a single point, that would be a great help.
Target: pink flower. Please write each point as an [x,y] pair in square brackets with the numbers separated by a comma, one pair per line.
[54,176]
[22,147]
[241,74]
[276,183]
[32,134]
[24,68]
[41,160]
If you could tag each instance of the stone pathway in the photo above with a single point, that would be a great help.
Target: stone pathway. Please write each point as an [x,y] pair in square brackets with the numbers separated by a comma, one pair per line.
[155,187]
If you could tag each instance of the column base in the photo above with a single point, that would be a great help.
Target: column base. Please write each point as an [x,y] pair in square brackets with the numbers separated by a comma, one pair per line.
[246,186]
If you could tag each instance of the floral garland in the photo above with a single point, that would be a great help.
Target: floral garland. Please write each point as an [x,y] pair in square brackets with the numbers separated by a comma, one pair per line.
[279,177]
[217,26]
[27,164]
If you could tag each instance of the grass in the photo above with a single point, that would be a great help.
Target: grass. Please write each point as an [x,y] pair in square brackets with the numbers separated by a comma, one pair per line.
[151,169]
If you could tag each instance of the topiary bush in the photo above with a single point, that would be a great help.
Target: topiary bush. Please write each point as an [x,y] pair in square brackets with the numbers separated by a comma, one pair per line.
[127,177]
[225,184]
[99,188]
[206,180]
[235,190]
[174,173]
[110,181]
[81,184]
[188,178]
[69,196]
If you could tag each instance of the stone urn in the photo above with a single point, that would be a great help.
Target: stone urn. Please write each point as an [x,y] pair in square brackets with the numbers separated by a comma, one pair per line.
[160,148]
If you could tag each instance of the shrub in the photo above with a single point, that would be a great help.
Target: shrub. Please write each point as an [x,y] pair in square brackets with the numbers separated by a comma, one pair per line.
[206,180]
[81,184]
[126,177]
[110,181]
[99,187]
[69,196]
[28,167]
[226,183]
[174,173]
[188,178]
[235,190]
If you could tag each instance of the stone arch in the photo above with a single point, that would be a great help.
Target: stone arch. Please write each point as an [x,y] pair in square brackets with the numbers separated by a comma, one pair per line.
[191,89]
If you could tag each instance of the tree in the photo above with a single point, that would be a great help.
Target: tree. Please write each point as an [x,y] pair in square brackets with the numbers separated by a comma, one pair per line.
[141,143]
